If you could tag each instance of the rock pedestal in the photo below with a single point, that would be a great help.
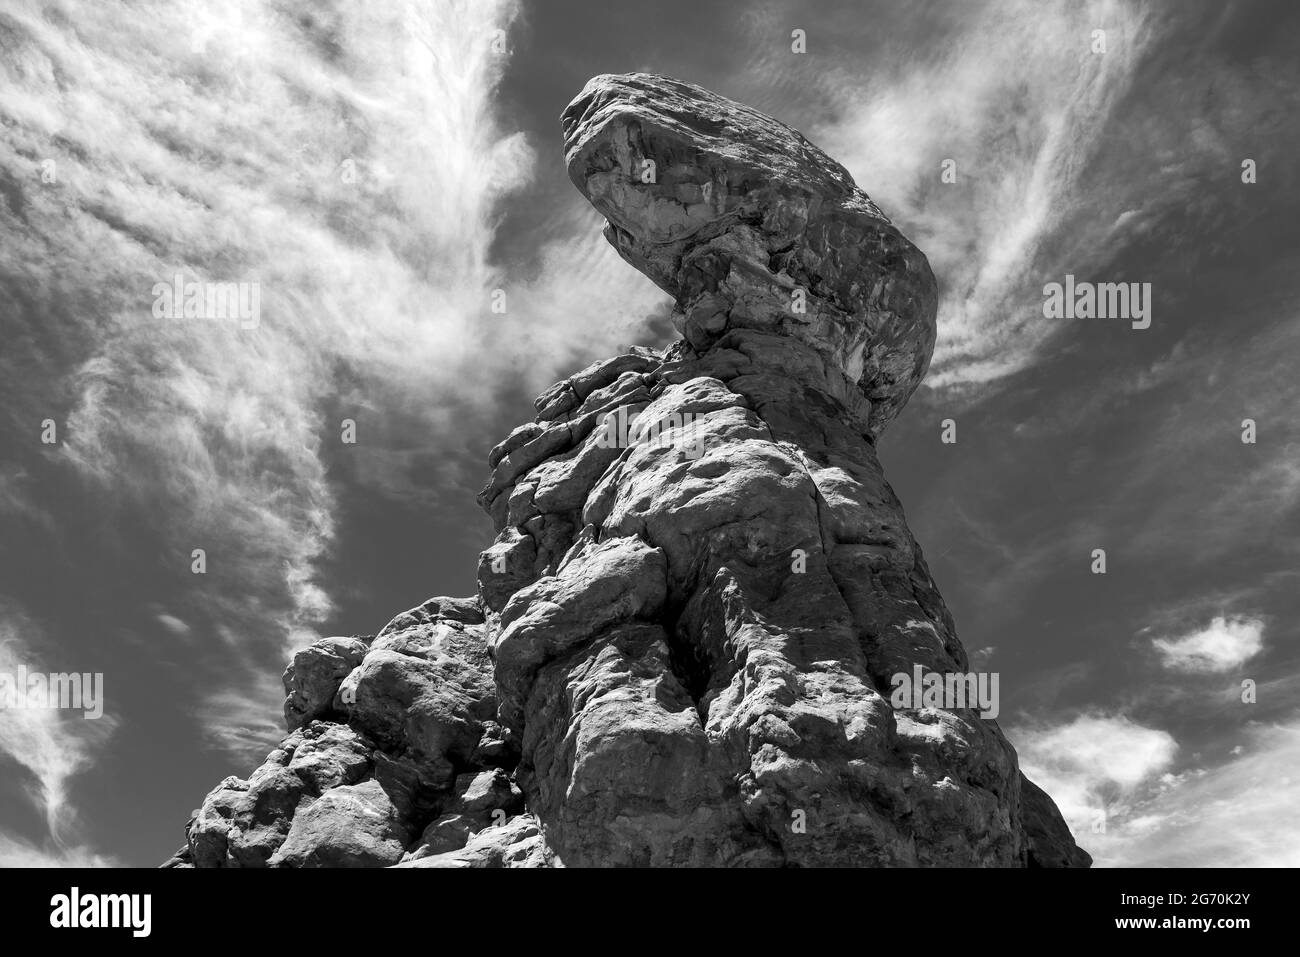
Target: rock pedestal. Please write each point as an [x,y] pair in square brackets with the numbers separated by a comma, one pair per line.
[701,586]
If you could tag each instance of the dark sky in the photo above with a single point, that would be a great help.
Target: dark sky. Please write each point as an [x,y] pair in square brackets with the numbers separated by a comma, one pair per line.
[379,169]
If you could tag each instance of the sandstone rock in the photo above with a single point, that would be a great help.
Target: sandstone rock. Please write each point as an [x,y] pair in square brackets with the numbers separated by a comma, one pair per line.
[330,755]
[415,707]
[313,677]
[181,859]
[741,212]
[498,748]
[243,823]
[1050,842]
[485,795]
[597,587]
[349,826]
[209,829]
[448,833]
[701,585]
[425,689]
[506,566]
[481,799]
[517,843]
[617,765]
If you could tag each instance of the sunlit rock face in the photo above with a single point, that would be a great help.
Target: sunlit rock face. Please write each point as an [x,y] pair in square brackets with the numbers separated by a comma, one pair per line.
[701,589]
[751,227]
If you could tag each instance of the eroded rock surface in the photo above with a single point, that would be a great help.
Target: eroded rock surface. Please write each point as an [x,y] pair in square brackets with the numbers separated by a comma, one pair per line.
[701,583]
[743,215]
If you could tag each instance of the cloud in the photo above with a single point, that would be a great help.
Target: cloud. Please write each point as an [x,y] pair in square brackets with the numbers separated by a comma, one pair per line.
[17,853]
[1188,409]
[1013,95]
[1115,783]
[1066,159]
[173,624]
[350,162]
[1181,493]
[1240,813]
[1095,762]
[1221,646]
[52,746]
[584,303]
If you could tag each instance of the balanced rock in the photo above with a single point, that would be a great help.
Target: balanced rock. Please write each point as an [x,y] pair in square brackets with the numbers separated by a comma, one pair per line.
[749,226]
[701,587]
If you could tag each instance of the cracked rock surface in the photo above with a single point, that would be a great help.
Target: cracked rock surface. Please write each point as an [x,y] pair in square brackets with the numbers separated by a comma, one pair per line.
[701,583]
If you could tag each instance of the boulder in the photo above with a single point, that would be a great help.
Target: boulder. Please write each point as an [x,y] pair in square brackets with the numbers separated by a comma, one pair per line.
[349,826]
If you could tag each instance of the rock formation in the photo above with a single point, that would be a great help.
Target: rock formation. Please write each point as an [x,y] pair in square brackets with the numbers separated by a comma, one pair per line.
[682,647]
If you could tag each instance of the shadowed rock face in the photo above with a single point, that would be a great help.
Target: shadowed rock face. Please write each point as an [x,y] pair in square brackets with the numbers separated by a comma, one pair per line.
[701,585]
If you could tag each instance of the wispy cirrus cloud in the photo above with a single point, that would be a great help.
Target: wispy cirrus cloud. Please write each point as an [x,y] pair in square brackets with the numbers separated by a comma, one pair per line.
[349,161]
[17,853]
[50,746]
[1068,132]
[1010,98]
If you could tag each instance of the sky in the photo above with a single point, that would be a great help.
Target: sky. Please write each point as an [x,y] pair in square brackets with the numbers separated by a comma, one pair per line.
[377,172]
